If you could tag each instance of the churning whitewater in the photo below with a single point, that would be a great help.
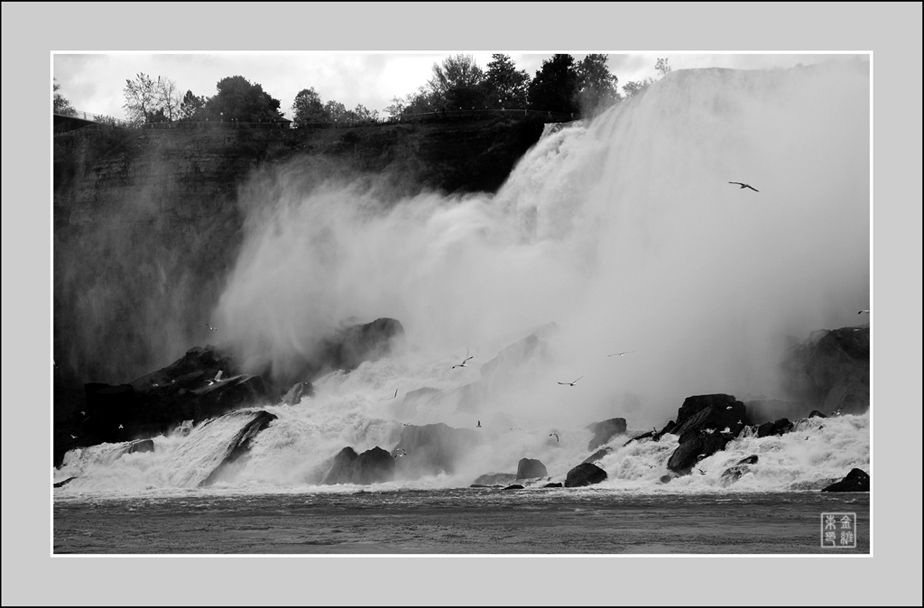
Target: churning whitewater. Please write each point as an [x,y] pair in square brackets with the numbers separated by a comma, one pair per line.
[617,235]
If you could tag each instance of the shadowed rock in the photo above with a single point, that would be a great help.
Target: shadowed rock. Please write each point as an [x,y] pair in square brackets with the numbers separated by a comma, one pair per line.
[552,485]
[240,444]
[604,431]
[598,455]
[142,445]
[855,481]
[369,342]
[749,460]
[528,468]
[515,486]
[494,479]
[372,466]
[66,481]
[733,474]
[816,414]
[298,390]
[779,427]
[584,474]
[700,425]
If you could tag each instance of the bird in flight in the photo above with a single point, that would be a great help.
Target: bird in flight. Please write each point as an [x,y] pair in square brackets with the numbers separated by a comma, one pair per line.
[210,326]
[395,395]
[463,362]
[555,435]
[622,354]
[571,383]
[745,186]
[73,436]
[121,427]
[701,472]
[478,425]
[862,311]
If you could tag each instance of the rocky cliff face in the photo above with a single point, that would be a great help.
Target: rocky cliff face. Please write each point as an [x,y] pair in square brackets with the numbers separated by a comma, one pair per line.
[148,223]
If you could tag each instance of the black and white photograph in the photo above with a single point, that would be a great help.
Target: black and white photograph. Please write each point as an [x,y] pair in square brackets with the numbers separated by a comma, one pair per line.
[464,300]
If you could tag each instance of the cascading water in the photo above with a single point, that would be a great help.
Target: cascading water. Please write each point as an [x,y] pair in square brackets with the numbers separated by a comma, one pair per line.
[626,233]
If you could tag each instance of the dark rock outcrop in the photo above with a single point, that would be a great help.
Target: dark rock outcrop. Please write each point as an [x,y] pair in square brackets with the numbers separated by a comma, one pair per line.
[816,414]
[495,479]
[65,482]
[694,449]
[598,455]
[298,390]
[778,427]
[831,371]
[733,474]
[529,468]
[553,485]
[372,466]
[353,345]
[584,474]
[515,486]
[240,444]
[142,445]
[436,448]
[855,481]
[604,431]
[701,424]
[749,460]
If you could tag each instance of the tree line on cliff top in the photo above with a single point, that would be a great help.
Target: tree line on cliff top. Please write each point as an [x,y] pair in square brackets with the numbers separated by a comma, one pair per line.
[562,85]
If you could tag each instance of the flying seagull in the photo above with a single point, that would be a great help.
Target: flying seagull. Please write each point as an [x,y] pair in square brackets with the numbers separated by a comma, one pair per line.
[73,436]
[622,354]
[554,435]
[478,425]
[745,186]
[463,362]
[701,472]
[571,383]
[121,427]
[395,395]
[210,326]
[862,311]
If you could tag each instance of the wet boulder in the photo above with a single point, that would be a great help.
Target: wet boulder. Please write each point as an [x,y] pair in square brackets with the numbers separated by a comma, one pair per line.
[752,459]
[495,479]
[298,390]
[515,486]
[556,484]
[65,482]
[529,468]
[240,444]
[694,449]
[816,414]
[705,424]
[584,474]
[598,455]
[372,466]
[781,426]
[140,446]
[855,481]
[348,348]
[604,431]
[733,474]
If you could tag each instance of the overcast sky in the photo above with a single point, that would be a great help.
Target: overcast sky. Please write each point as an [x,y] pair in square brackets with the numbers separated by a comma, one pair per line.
[94,82]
